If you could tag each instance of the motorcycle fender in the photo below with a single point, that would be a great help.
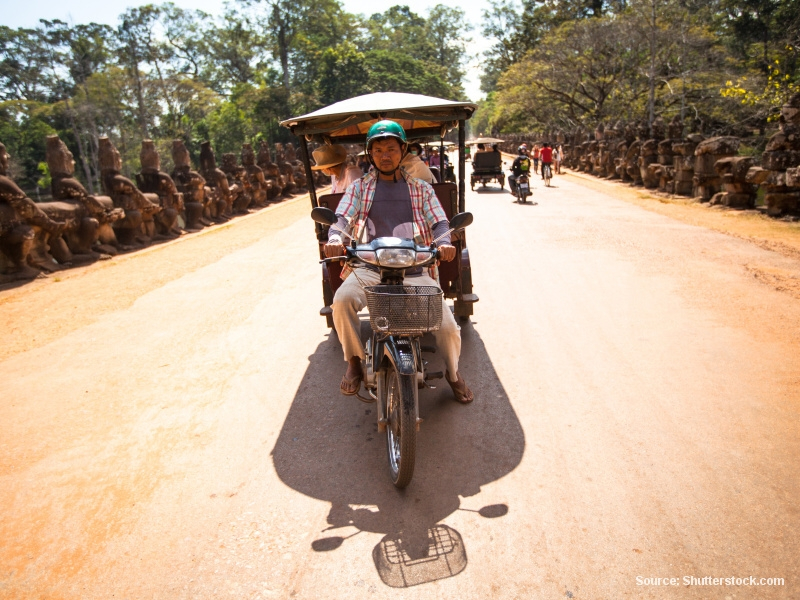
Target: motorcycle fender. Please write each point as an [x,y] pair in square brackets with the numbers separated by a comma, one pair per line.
[402,358]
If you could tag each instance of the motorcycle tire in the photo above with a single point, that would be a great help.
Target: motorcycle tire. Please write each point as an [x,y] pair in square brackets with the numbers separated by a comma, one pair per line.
[401,426]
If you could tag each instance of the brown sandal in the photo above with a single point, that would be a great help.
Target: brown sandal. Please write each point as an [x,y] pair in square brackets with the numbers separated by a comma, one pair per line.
[350,386]
[460,390]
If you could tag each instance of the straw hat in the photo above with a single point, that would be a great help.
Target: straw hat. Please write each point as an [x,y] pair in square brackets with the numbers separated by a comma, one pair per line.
[328,156]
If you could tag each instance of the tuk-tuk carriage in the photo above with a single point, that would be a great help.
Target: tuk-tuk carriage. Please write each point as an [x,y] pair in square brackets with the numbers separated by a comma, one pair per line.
[424,118]
[487,166]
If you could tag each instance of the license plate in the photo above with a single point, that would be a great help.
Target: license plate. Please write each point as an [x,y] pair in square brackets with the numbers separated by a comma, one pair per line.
[523,187]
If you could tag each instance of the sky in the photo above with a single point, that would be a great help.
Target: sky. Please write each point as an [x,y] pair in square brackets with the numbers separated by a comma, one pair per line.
[27,13]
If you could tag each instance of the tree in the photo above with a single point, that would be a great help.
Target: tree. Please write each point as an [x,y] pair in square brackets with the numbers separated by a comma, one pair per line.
[343,73]
[446,30]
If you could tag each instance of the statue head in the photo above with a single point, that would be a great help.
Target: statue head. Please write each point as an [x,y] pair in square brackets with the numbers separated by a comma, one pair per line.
[263,153]
[208,161]
[149,156]
[59,158]
[110,159]
[658,128]
[4,156]
[180,155]
[229,162]
[599,131]
[291,155]
[248,156]
[791,110]
[676,128]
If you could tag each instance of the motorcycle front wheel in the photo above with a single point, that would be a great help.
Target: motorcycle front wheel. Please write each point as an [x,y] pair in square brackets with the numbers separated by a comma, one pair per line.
[401,426]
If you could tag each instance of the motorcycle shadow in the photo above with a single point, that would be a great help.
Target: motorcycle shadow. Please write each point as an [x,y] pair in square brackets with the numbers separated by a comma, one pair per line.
[329,448]
[490,190]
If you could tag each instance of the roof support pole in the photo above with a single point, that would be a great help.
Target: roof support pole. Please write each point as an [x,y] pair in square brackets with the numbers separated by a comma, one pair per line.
[312,191]
[462,126]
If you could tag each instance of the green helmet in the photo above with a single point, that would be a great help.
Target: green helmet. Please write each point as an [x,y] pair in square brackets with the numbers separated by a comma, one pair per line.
[386,129]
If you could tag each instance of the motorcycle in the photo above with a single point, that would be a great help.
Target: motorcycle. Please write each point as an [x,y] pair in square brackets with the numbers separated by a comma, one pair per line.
[399,315]
[522,188]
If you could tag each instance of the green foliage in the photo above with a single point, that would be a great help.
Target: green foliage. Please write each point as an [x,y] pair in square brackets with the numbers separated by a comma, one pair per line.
[170,73]
[394,72]
[45,180]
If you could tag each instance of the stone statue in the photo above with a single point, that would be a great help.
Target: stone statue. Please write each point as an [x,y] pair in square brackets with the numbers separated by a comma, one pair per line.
[224,194]
[299,172]
[19,216]
[152,180]
[96,215]
[138,226]
[258,183]
[779,174]
[675,128]
[286,169]
[707,181]
[271,172]
[192,185]
[237,176]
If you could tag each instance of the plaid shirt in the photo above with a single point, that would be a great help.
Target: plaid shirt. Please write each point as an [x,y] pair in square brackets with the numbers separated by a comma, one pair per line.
[357,201]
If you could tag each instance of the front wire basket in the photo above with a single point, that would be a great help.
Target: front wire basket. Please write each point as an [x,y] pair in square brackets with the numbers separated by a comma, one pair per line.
[404,309]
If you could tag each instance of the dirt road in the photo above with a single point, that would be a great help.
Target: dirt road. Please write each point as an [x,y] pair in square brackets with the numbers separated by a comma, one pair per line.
[171,427]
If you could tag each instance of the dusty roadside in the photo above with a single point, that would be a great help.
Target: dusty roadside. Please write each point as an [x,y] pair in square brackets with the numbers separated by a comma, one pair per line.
[753,226]
[37,312]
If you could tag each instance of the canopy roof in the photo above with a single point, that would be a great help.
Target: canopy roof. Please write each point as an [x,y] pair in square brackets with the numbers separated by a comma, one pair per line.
[349,120]
[485,140]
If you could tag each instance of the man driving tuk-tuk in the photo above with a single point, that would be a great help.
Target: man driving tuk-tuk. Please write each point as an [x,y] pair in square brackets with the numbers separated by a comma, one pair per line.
[388,201]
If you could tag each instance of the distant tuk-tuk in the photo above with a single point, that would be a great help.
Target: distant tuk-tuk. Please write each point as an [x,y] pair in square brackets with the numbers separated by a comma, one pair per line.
[424,119]
[487,166]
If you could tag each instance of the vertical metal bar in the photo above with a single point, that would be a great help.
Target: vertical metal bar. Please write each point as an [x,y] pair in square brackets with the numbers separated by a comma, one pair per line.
[462,125]
[312,191]
[441,159]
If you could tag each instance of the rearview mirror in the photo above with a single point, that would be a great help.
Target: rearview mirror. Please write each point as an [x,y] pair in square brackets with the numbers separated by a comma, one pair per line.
[460,220]
[324,215]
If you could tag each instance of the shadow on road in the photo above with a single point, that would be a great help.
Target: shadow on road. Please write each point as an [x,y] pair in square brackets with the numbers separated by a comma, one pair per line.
[329,448]
[490,190]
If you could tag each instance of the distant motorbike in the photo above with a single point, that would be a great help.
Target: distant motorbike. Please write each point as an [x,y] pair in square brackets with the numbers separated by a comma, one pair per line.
[399,315]
[522,189]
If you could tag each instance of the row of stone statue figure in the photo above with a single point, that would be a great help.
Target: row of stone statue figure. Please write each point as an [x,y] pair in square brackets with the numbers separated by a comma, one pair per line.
[77,227]
[709,169]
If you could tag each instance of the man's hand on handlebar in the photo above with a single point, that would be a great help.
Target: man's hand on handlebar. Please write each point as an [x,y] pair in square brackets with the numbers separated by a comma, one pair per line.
[447,252]
[334,249]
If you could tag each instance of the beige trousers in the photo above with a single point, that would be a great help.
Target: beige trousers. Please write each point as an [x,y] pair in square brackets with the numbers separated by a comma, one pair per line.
[350,298]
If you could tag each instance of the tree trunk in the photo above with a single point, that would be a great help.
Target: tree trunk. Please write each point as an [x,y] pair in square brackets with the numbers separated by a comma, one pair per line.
[84,158]
[652,99]
[283,50]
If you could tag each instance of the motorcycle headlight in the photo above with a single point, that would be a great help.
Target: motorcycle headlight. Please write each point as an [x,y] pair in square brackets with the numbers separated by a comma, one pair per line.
[422,257]
[368,256]
[396,258]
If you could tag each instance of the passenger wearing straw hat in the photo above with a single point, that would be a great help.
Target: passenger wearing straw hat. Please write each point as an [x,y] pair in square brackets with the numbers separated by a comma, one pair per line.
[332,161]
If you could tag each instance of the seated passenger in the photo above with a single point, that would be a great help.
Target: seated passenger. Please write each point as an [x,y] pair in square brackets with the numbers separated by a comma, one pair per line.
[332,161]
[414,165]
